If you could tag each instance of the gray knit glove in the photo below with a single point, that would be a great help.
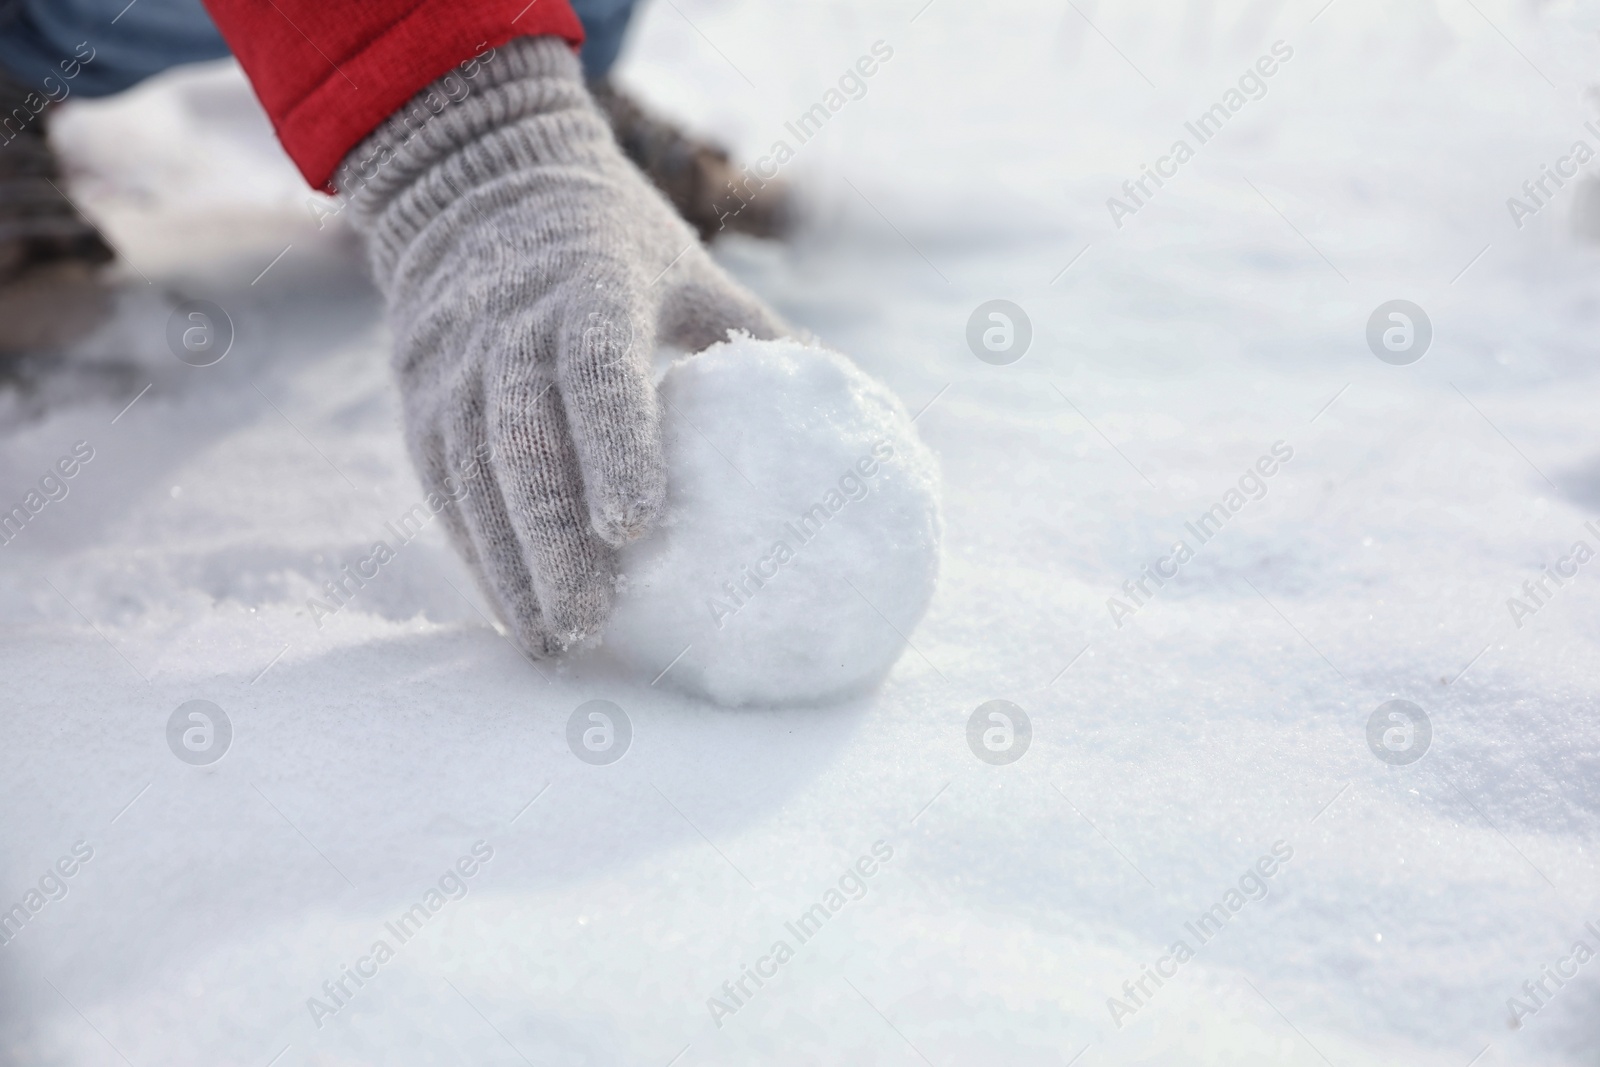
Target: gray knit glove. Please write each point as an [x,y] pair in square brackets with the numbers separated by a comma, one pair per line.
[530,272]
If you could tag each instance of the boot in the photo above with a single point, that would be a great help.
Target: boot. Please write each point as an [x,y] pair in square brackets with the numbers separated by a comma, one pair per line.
[49,253]
[697,177]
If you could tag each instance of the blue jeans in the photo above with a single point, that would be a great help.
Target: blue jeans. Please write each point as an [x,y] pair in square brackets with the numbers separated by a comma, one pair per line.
[132,42]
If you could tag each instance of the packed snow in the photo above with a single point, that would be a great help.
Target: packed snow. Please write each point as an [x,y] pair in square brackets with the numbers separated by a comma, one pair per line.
[802,517]
[1218,845]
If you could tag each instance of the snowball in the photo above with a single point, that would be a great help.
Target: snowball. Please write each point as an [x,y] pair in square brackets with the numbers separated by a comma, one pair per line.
[802,532]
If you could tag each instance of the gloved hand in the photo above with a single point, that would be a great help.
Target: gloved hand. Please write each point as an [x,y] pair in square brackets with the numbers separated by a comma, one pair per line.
[530,272]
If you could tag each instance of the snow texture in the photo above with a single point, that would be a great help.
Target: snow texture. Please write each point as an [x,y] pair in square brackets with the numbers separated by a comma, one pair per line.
[1169,756]
[802,515]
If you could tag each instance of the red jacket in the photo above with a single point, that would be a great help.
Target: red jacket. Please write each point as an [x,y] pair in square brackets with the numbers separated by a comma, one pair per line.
[329,71]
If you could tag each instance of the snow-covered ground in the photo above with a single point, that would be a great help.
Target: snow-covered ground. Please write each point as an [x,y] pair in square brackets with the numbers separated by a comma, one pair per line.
[1222,725]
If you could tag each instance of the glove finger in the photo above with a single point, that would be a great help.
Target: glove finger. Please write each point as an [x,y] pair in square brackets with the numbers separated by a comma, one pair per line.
[465,471]
[614,417]
[572,571]
[430,457]
[703,303]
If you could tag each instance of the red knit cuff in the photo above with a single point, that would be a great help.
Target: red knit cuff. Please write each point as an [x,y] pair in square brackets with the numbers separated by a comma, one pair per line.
[328,73]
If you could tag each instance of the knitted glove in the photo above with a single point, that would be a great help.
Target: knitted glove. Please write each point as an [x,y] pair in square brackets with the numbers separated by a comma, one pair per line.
[530,272]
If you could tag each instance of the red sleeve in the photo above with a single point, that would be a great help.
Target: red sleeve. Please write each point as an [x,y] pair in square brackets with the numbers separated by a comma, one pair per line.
[329,71]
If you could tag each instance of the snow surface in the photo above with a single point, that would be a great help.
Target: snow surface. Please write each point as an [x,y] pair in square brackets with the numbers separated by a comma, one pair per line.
[801,540]
[1167,756]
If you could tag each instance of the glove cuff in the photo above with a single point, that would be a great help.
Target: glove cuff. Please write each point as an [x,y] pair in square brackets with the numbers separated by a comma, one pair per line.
[525,106]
